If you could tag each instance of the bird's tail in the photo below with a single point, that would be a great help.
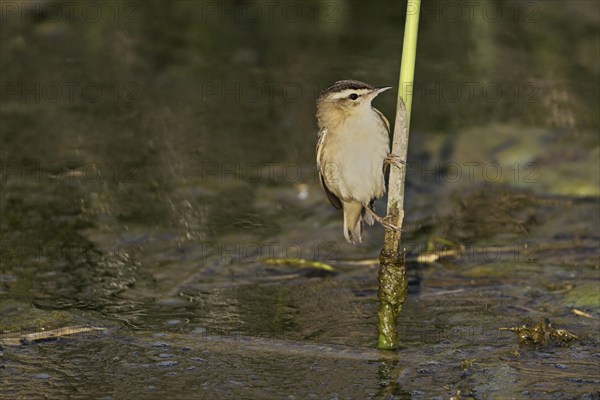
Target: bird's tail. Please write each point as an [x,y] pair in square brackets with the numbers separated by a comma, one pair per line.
[353,221]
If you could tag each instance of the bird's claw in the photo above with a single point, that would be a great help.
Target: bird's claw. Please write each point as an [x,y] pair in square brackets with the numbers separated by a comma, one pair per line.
[394,160]
[384,221]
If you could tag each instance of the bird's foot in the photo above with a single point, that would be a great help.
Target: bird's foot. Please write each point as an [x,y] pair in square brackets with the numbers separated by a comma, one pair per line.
[394,160]
[384,221]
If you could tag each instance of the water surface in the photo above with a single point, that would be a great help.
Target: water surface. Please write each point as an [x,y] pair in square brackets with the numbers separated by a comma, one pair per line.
[154,154]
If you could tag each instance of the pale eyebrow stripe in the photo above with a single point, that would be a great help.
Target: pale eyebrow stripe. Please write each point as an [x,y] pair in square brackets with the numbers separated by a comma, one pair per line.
[348,92]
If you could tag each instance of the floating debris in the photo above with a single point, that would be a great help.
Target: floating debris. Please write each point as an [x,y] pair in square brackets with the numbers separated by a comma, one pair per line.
[299,262]
[541,334]
[18,338]
[581,313]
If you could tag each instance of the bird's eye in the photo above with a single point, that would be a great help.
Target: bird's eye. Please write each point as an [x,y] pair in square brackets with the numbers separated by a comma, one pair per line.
[354,96]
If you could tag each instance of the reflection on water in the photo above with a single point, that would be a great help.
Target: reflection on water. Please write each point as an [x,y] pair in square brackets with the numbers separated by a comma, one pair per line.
[153,154]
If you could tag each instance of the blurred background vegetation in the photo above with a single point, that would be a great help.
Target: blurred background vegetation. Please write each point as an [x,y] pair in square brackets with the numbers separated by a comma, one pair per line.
[140,137]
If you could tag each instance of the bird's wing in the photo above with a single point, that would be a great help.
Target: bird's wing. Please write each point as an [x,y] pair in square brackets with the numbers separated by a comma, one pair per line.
[333,199]
[383,118]
[320,140]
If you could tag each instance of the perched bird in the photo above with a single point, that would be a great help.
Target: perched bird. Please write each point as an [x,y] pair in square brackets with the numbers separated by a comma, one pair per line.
[353,144]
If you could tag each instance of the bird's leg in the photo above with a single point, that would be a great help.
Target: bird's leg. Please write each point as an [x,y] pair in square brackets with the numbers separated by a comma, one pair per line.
[394,160]
[384,221]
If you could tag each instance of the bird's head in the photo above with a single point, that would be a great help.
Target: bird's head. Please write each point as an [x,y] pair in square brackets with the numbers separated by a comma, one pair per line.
[345,98]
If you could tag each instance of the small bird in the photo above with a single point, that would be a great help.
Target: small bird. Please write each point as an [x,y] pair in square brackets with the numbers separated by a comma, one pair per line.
[353,146]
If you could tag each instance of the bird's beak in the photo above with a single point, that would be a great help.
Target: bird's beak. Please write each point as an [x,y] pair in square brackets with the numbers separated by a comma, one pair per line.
[376,92]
